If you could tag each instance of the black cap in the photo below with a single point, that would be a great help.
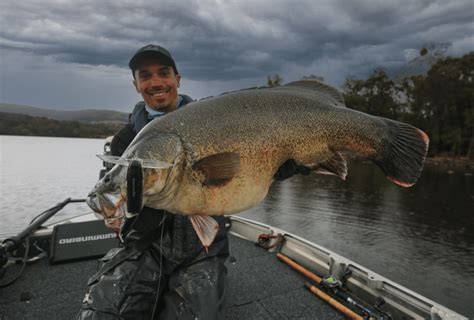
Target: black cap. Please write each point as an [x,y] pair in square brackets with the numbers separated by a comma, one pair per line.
[152,51]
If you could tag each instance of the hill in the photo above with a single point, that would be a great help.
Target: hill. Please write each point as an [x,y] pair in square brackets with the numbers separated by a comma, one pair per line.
[87,115]
[25,125]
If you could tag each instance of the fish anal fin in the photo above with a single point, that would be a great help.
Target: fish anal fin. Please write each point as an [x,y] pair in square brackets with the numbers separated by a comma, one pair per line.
[400,183]
[206,229]
[336,165]
[218,169]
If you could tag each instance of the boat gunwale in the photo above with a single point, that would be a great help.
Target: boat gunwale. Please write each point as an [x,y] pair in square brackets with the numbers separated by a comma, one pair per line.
[362,281]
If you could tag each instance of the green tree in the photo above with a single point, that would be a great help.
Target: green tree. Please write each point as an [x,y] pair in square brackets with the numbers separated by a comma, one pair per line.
[376,95]
[442,101]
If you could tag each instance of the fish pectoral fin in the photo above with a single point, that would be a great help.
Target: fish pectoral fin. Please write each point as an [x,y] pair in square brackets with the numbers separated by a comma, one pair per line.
[206,228]
[336,165]
[218,169]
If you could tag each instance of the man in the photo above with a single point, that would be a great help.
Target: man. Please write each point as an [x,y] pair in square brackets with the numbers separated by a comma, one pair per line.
[161,271]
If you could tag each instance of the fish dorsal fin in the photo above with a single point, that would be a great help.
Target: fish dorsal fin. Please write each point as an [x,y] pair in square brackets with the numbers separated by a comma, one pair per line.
[319,87]
[220,168]
[336,165]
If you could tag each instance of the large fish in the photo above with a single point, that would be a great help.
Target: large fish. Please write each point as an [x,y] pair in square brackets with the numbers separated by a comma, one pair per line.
[219,155]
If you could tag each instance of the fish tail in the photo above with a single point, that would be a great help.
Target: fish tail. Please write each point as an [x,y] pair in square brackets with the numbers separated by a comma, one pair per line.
[403,154]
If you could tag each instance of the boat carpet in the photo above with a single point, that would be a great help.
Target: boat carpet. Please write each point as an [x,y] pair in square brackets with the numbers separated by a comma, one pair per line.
[260,287]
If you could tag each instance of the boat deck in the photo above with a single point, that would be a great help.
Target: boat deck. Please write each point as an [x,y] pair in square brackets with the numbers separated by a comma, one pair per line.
[260,287]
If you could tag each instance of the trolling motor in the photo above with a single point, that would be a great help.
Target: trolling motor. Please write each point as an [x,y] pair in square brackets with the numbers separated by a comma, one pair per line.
[107,152]
[10,245]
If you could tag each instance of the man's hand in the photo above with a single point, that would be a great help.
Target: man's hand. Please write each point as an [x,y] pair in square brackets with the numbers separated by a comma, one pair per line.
[114,225]
[289,169]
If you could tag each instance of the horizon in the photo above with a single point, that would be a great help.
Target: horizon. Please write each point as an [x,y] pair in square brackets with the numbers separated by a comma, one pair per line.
[73,55]
[54,109]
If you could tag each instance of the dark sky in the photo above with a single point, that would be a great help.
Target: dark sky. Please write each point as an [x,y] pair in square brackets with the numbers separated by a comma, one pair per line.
[74,54]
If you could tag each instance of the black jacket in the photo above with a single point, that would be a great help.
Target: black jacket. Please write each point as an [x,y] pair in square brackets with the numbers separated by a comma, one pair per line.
[184,241]
[137,120]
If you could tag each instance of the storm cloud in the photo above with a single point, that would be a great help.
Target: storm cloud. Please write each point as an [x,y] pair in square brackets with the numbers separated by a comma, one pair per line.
[74,54]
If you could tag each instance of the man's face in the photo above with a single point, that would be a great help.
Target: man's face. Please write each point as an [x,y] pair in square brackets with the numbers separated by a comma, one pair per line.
[158,85]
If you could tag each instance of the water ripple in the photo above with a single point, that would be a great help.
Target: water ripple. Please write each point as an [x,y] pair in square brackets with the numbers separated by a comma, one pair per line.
[421,237]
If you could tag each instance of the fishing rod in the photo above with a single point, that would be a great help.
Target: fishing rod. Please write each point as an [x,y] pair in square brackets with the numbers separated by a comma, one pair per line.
[339,306]
[334,286]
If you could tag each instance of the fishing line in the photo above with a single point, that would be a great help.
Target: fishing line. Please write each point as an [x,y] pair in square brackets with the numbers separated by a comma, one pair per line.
[58,206]
[44,212]
[161,267]
[66,218]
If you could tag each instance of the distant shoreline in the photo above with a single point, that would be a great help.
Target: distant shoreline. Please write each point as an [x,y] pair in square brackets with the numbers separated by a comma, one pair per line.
[451,164]
[446,163]
[25,125]
[55,136]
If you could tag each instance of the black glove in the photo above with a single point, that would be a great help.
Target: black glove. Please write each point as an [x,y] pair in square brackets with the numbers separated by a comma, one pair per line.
[289,169]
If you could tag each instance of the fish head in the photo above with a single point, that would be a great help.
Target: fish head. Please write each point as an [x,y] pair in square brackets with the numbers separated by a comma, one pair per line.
[107,199]
[160,156]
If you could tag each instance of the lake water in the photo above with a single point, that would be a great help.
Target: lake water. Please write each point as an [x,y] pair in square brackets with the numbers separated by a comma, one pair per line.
[421,237]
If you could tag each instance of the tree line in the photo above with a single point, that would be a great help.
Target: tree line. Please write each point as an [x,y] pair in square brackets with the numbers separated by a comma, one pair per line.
[439,102]
[24,125]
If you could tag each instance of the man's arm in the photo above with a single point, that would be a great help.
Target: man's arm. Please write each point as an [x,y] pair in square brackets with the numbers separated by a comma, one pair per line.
[122,140]
[289,169]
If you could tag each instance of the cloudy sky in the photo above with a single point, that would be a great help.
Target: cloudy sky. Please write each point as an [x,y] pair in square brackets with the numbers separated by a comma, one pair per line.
[73,54]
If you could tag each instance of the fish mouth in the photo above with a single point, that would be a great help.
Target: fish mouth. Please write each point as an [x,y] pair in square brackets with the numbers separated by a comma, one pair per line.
[107,205]
[93,203]
[107,208]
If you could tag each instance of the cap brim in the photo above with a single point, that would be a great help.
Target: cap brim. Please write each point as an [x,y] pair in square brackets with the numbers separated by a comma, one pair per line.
[137,58]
